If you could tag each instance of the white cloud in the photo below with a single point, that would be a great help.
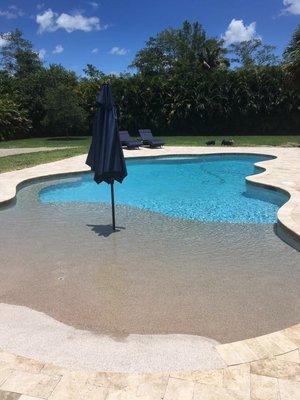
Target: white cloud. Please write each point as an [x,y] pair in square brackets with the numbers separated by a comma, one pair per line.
[46,21]
[94,4]
[58,49]
[118,51]
[77,22]
[41,54]
[95,50]
[39,6]
[50,21]
[238,32]
[291,7]
[12,12]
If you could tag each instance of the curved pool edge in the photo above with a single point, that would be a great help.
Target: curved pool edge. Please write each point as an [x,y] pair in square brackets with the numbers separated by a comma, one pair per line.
[274,176]
[288,229]
[249,364]
[246,358]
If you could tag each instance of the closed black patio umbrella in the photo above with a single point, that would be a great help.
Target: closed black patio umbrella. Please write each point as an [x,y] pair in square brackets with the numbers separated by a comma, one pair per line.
[105,156]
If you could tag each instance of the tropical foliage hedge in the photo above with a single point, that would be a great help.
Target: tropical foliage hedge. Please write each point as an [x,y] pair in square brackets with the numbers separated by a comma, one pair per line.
[183,85]
[236,102]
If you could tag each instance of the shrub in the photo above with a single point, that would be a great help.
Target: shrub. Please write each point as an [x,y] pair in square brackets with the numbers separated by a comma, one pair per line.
[13,119]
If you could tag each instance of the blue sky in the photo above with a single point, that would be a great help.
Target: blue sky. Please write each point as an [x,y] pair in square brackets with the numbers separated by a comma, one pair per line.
[107,33]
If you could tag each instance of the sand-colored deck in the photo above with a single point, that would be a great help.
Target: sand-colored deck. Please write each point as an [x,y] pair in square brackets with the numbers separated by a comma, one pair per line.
[27,150]
[266,367]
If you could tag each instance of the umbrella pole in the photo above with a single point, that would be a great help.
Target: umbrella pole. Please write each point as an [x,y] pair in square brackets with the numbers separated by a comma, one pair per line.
[113,206]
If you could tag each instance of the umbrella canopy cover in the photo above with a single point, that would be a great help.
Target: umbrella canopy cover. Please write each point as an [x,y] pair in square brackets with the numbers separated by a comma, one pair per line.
[105,156]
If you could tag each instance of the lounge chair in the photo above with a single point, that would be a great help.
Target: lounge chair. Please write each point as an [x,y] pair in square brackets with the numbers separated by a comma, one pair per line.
[128,141]
[148,139]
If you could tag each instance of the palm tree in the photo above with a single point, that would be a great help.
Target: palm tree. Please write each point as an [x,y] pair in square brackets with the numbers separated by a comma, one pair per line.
[292,57]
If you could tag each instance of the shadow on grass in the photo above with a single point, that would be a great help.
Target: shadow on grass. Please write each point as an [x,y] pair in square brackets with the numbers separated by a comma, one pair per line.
[105,230]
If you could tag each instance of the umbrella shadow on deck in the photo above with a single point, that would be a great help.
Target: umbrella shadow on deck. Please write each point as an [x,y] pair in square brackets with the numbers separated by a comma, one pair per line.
[105,230]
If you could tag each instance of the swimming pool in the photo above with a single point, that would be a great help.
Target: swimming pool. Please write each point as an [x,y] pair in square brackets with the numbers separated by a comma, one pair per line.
[204,188]
[158,273]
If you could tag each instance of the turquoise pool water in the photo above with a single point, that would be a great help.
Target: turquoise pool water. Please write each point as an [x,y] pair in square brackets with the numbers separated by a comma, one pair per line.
[203,188]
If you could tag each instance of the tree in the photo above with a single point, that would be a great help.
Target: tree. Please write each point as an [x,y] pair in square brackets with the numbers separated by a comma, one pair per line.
[214,54]
[174,93]
[186,48]
[32,89]
[18,57]
[93,73]
[64,115]
[56,74]
[292,57]
[253,53]
[13,119]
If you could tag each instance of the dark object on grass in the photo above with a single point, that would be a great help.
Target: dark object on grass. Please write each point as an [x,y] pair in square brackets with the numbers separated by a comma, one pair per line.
[149,139]
[211,143]
[128,141]
[105,156]
[229,142]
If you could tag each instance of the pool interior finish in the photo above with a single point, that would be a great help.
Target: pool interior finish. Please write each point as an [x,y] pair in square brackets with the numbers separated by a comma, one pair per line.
[157,274]
[205,188]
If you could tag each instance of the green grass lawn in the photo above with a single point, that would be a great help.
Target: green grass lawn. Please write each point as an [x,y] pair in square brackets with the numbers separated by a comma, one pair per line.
[238,140]
[84,141]
[20,161]
[80,145]
[47,142]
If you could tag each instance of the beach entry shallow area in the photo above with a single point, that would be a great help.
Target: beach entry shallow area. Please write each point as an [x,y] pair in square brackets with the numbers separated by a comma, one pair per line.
[156,275]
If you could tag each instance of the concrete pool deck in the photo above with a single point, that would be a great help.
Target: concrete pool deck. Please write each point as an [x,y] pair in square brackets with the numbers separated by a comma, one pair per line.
[261,368]
[28,150]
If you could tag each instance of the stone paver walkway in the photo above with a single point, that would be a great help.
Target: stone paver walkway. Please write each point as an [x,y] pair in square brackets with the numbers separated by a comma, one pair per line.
[263,368]
[15,151]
